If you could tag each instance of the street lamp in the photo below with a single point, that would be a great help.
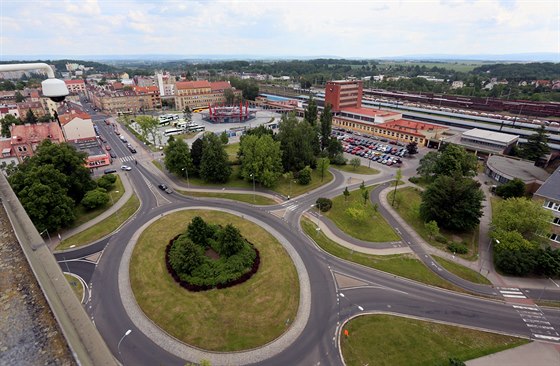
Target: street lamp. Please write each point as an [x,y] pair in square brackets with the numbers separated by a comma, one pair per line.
[119,344]
[112,201]
[187,173]
[253,176]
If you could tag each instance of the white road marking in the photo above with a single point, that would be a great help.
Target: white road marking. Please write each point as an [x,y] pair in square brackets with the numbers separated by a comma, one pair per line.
[550,338]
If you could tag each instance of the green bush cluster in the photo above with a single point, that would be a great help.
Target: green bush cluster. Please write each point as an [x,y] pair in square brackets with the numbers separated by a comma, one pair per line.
[188,259]
[323,204]
[458,248]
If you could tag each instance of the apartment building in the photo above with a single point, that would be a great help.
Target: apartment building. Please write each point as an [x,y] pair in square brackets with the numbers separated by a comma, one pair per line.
[342,94]
[549,194]
[202,93]
[76,86]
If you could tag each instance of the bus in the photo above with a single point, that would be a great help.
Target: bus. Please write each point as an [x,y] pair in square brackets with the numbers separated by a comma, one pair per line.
[173,131]
[165,120]
[195,128]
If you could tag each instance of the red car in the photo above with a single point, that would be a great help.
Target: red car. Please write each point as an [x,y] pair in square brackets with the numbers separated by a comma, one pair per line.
[107,147]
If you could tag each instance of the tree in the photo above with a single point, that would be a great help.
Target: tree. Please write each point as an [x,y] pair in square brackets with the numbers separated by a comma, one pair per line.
[432,228]
[187,113]
[214,166]
[19,98]
[178,157]
[304,176]
[513,188]
[229,96]
[69,162]
[196,153]
[260,156]
[185,255]
[45,118]
[326,126]
[297,143]
[355,162]
[463,212]
[451,159]
[311,112]
[224,138]
[199,231]
[30,117]
[7,122]
[230,241]
[365,195]
[334,151]
[149,126]
[536,146]
[412,148]
[106,181]
[346,193]
[323,166]
[95,198]
[524,216]
[42,192]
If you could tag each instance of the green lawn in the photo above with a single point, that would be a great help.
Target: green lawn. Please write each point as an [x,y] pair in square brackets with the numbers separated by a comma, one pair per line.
[395,341]
[408,209]
[362,169]
[404,265]
[83,215]
[242,197]
[462,271]
[103,228]
[370,227]
[241,317]
[76,285]
[231,150]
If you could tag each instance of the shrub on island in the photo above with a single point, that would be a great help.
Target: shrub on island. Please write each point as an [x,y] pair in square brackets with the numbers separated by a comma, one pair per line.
[209,256]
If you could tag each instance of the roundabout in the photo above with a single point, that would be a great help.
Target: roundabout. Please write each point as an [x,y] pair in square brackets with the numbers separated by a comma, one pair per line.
[252,319]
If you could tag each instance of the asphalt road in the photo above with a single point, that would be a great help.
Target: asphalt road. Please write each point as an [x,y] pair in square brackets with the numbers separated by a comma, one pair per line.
[317,344]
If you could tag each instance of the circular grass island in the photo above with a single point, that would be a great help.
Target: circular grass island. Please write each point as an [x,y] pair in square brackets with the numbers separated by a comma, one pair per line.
[241,317]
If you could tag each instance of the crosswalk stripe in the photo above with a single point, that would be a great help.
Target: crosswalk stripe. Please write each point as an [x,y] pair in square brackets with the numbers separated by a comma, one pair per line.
[526,307]
[508,288]
[550,338]
[539,326]
[515,296]
[536,321]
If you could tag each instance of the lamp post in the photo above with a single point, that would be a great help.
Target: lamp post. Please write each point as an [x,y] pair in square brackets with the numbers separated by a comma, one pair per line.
[253,176]
[112,201]
[47,234]
[187,173]
[119,344]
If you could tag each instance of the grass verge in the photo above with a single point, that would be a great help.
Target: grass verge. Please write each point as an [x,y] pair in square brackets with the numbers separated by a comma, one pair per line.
[359,220]
[242,197]
[462,271]
[103,228]
[408,205]
[404,265]
[76,285]
[231,150]
[83,215]
[393,340]
[362,169]
[245,316]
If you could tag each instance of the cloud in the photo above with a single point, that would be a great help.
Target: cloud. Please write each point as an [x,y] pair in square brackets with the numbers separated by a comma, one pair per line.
[307,27]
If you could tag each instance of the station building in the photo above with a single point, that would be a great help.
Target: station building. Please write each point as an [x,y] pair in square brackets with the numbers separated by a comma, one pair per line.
[503,169]
[549,194]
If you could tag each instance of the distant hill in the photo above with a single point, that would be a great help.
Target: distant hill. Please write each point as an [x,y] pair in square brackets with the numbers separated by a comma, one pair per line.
[512,57]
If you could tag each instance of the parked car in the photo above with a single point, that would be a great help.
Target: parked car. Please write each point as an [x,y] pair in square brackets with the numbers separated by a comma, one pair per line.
[107,147]
[165,188]
[113,155]
[109,171]
[132,150]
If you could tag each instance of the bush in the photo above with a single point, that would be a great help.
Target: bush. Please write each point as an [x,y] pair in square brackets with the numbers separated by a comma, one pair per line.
[414,180]
[323,204]
[95,198]
[304,176]
[458,248]
[106,181]
[338,159]
[440,239]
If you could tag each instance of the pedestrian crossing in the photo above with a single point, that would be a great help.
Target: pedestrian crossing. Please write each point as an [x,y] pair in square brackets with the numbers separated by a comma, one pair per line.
[127,158]
[511,292]
[537,323]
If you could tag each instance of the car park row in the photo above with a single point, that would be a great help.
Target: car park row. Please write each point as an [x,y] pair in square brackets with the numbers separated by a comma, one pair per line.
[380,150]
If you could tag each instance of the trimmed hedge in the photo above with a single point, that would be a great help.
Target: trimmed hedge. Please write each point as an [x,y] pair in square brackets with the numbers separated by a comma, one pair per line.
[222,282]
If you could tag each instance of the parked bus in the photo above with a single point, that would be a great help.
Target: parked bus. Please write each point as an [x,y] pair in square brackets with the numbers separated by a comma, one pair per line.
[173,131]
[195,128]
[165,120]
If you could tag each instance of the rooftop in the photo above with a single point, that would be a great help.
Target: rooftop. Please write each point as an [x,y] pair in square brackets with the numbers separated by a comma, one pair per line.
[36,132]
[551,187]
[491,135]
[517,168]
[193,84]
[65,118]
[74,81]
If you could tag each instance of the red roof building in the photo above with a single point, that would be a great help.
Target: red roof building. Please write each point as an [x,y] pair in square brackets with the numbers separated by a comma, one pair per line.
[26,138]
[76,85]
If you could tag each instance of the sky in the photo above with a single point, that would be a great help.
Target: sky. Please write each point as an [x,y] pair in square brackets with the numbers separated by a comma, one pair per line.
[342,28]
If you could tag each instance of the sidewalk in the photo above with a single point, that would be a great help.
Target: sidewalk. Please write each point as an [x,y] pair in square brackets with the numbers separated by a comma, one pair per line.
[128,191]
